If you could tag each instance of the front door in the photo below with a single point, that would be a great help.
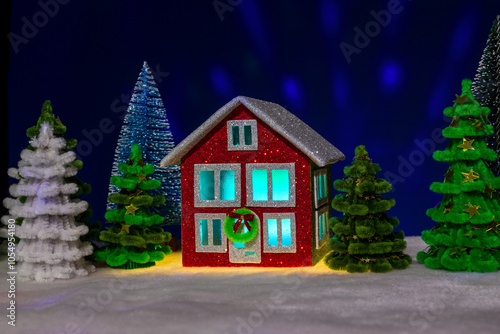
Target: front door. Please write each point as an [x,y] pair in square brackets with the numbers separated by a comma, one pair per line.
[246,252]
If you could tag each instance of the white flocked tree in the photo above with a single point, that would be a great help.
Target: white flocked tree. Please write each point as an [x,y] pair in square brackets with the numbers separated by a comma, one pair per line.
[49,247]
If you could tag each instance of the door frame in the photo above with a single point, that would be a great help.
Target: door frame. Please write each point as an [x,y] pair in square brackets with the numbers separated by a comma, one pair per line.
[252,253]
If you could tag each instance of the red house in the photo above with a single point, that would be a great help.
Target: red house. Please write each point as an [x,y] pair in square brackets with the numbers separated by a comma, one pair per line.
[256,155]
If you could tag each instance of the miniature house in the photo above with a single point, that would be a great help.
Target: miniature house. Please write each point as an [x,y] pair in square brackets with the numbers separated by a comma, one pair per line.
[256,155]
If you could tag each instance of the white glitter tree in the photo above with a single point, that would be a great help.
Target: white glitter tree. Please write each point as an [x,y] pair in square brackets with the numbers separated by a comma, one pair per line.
[49,246]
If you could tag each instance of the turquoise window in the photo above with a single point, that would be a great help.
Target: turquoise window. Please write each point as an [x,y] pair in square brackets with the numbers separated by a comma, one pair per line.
[272,232]
[207,185]
[323,179]
[321,226]
[217,232]
[259,185]
[321,229]
[279,232]
[318,187]
[247,134]
[236,135]
[286,232]
[280,185]
[321,186]
[204,232]
[270,184]
[209,232]
[227,185]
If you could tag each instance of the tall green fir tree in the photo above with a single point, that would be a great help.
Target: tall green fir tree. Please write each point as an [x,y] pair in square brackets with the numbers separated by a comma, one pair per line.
[364,238]
[486,87]
[135,237]
[466,235]
[146,124]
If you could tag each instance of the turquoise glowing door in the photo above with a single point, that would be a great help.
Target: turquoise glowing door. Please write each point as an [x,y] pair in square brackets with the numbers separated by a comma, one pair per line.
[246,252]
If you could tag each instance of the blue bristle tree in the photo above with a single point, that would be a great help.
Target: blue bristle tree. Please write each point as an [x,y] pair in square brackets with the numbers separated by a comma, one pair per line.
[486,87]
[146,124]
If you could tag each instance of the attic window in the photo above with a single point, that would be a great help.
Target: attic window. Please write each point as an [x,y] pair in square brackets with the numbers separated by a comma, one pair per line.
[242,135]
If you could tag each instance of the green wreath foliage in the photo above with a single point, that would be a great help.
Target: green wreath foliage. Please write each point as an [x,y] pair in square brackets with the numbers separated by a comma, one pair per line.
[241,237]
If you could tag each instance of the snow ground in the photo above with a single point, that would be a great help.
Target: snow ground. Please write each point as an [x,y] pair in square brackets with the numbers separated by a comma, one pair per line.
[171,299]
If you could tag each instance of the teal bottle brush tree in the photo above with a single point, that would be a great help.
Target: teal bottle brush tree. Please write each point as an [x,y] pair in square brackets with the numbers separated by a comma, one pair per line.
[135,237]
[364,239]
[466,236]
[146,124]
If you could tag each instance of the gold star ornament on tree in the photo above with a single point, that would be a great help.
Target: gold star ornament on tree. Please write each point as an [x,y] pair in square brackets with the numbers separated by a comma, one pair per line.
[448,207]
[461,99]
[488,190]
[493,226]
[448,175]
[454,122]
[469,177]
[131,209]
[478,125]
[485,117]
[467,144]
[125,228]
[472,210]
[134,193]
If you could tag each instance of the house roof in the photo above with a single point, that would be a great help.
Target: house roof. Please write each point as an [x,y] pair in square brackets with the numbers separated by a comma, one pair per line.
[302,136]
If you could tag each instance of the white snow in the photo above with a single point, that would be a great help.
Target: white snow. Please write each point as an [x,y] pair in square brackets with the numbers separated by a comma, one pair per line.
[168,298]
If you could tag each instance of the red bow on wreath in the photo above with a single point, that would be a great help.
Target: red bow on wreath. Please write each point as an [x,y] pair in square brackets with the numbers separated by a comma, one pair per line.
[246,219]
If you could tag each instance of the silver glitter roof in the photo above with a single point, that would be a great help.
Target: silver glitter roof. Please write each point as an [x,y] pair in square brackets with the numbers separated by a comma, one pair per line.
[302,136]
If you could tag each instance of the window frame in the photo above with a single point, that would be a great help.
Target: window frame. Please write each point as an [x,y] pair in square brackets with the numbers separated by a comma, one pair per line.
[293,235]
[321,211]
[210,248]
[269,167]
[217,202]
[241,123]
[324,200]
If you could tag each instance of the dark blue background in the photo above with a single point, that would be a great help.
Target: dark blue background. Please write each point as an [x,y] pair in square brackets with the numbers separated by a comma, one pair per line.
[86,58]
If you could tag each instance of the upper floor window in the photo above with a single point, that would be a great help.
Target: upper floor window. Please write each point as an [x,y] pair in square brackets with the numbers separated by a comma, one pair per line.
[217,185]
[270,184]
[242,135]
[320,187]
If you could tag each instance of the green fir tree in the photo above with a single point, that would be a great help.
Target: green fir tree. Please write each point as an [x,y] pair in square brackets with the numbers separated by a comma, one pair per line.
[364,239]
[135,237]
[465,237]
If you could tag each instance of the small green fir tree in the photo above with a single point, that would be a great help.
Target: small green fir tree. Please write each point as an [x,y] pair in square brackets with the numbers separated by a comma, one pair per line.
[135,237]
[466,236]
[364,239]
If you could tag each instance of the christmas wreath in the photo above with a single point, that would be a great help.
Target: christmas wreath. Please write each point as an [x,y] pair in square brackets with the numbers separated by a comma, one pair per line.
[236,221]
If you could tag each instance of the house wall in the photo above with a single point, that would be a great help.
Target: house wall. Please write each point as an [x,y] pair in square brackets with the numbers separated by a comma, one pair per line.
[272,148]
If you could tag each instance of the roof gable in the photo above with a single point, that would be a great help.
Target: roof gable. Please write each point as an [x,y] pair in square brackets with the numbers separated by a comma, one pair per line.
[301,135]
